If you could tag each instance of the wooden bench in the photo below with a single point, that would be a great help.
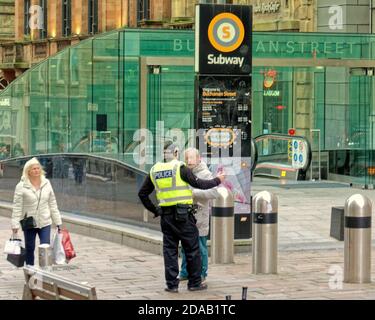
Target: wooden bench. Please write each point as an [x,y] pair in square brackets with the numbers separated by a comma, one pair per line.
[48,286]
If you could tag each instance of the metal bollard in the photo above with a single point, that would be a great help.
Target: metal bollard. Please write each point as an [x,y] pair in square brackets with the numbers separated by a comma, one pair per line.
[45,255]
[357,239]
[264,246]
[222,227]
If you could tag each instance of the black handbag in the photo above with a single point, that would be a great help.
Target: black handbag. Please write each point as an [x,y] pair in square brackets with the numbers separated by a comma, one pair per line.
[28,223]
[17,260]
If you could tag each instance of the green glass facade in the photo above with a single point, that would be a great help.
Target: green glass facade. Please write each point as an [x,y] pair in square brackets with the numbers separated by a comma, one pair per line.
[93,97]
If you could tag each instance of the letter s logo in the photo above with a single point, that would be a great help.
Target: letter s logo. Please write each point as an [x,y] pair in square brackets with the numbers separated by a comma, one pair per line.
[226,32]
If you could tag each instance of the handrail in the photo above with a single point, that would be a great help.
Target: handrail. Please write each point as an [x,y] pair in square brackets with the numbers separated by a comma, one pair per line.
[103,156]
[286,137]
[282,136]
[254,155]
[272,162]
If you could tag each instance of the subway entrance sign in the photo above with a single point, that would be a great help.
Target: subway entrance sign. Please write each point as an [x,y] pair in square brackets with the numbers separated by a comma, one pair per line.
[223,62]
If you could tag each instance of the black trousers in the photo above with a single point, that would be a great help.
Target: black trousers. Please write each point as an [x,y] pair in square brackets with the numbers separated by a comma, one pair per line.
[186,232]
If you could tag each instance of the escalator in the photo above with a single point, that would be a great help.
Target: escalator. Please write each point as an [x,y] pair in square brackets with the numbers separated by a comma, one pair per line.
[281,156]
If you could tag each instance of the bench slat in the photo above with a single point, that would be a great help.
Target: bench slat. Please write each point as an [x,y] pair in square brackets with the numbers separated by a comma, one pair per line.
[66,293]
[43,294]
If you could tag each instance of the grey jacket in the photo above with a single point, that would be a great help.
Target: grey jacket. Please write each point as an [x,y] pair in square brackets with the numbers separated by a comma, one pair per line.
[202,199]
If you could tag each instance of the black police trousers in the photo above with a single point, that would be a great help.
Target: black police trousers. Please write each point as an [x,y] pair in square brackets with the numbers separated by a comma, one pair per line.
[186,232]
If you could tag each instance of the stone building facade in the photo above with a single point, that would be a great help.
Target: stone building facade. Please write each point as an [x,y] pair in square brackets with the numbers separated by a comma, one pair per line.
[6,20]
[6,31]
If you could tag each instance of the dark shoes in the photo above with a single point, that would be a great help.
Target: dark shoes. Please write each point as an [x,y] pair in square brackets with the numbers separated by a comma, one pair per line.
[172,290]
[202,286]
[183,278]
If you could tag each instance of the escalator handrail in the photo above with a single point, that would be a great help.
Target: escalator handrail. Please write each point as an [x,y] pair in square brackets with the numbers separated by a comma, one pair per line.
[282,136]
[254,157]
[278,135]
[82,155]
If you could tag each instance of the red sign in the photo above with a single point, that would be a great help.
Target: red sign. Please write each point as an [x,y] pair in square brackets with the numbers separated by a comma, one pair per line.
[292,131]
[280,107]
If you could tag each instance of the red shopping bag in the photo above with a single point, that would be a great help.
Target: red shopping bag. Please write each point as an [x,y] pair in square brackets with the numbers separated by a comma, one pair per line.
[67,245]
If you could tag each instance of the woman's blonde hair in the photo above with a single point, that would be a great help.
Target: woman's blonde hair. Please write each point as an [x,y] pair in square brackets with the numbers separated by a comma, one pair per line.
[28,165]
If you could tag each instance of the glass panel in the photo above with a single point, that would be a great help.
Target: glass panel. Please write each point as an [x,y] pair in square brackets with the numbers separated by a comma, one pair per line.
[39,112]
[277,99]
[105,95]
[272,100]
[80,96]
[20,98]
[359,126]
[57,104]
[319,106]
[8,125]
[171,100]
[129,82]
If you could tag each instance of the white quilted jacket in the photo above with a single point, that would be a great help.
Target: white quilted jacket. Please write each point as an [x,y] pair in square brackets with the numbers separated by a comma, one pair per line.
[26,201]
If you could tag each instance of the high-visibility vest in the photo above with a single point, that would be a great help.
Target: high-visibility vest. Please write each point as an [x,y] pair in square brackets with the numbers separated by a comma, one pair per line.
[170,188]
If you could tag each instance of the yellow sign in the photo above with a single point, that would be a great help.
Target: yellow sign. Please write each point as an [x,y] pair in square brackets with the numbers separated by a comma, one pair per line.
[283,173]
[226,32]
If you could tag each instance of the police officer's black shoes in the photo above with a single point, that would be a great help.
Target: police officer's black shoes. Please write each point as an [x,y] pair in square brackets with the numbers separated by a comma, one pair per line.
[172,290]
[202,286]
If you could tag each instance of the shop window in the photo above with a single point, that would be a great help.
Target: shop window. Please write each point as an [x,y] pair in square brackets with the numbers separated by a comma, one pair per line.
[143,10]
[66,18]
[93,16]
[44,30]
[26,17]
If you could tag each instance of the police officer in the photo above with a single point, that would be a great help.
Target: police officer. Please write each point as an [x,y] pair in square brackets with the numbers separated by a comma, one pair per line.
[171,181]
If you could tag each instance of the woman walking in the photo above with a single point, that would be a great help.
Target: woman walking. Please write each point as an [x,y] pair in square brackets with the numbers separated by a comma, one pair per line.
[34,197]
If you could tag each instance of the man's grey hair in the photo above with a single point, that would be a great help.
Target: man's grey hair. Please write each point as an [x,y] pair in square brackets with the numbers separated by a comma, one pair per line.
[191,150]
